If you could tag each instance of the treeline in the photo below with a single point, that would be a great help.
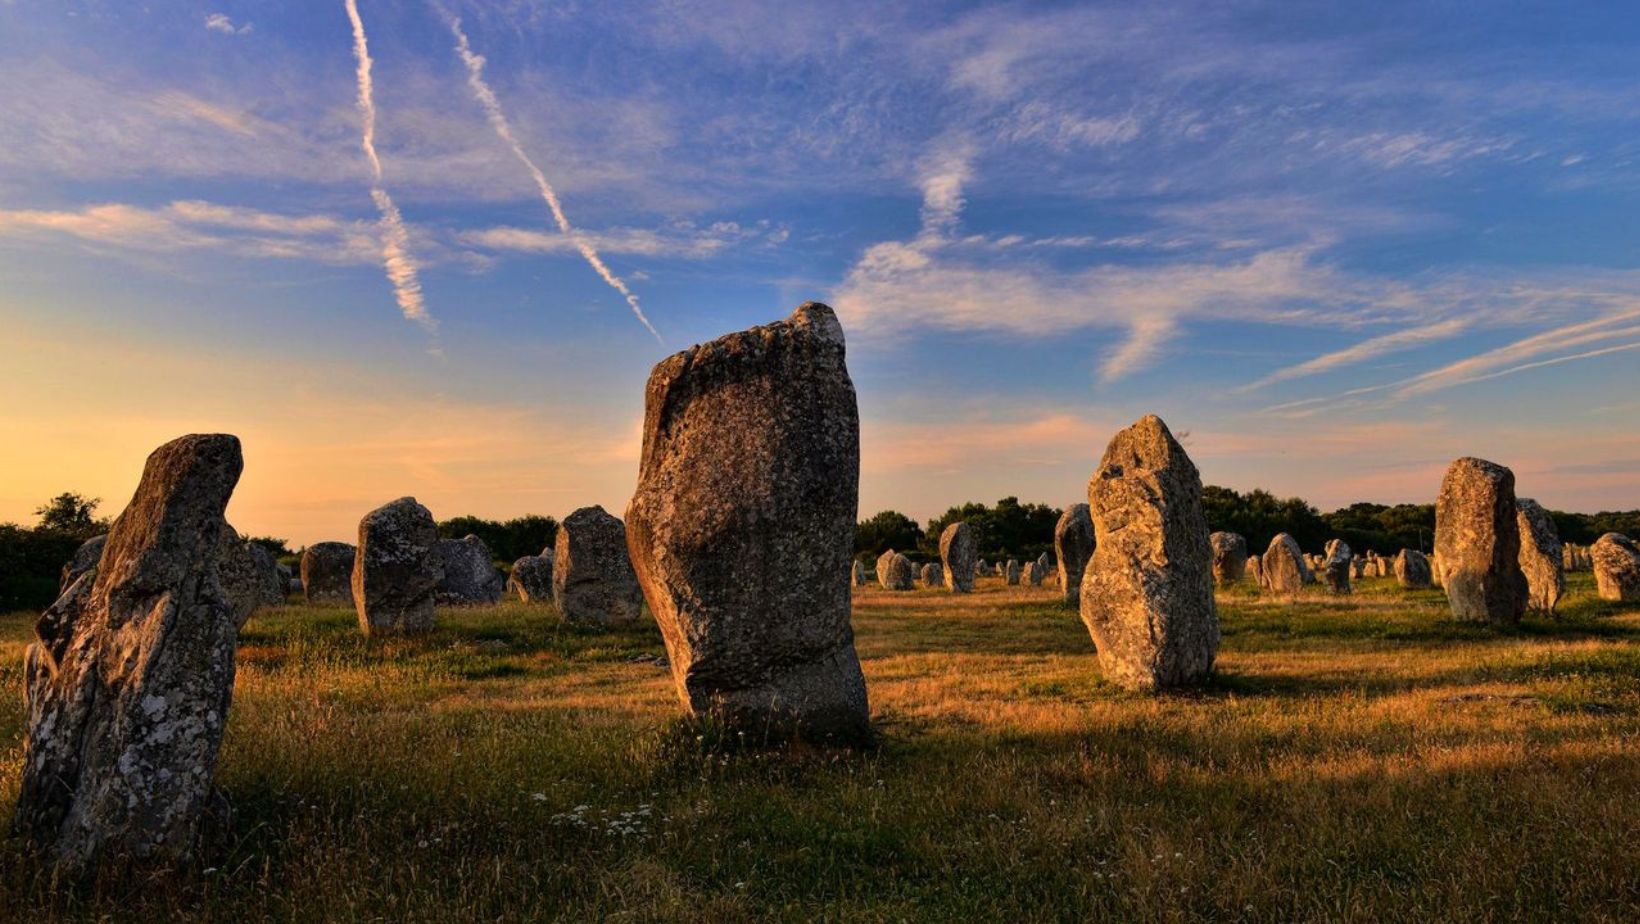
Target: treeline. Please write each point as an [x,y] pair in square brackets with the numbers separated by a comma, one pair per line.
[509,540]
[1010,529]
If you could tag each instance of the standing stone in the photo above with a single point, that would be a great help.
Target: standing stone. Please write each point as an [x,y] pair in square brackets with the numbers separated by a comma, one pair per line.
[1010,573]
[592,577]
[1229,557]
[1335,566]
[532,579]
[1285,570]
[239,571]
[1044,565]
[959,553]
[933,575]
[1478,539]
[1147,598]
[885,565]
[1358,568]
[327,572]
[127,688]
[858,574]
[1616,562]
[902,574]
[85,559]
[1539,556]
[270,583]
[286,579]
[1073,546]
[1031,575]
[1255,570]
[1412,570]
[743,523]
[470,576]
[397,570]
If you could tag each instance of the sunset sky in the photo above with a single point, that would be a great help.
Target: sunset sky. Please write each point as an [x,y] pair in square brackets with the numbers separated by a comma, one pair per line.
[1334,245]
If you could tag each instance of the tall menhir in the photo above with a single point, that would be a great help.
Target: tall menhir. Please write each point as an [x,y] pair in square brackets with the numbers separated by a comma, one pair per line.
[742,527]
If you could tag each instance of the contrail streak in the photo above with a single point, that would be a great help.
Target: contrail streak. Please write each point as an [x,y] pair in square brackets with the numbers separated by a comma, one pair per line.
[396,259]
[498,120]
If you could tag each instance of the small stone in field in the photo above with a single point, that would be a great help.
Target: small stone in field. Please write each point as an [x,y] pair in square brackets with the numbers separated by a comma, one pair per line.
[1285,570]
[327,572]
[1229,557]
[593,581]
[1616,560]
[1539,556]
[1073,546]
[396,570]
[532,579]
[1412,570]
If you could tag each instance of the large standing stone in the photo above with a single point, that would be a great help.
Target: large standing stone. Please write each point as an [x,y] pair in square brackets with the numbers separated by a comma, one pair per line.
[1478,540]
[1412,570]
[397,570]
[858,574]
[592,577]
[128,685]
[1285,570]
[959,553]
[1031,574]
[1616,562]
[85,559]
[885,566]
[743,524]
[470,575]
[902,574]
[1073,546]
[1335,566]
[532,579]
[1147,598]
[327,572]
[933,575]
[1229,557]
[1010,572]
[1539,556]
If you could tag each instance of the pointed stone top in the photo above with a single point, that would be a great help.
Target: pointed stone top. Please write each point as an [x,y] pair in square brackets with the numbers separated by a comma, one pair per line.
[820,320]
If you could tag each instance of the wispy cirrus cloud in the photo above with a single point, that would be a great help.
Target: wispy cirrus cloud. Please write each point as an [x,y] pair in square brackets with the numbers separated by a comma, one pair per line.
[188,225]
[1368,349]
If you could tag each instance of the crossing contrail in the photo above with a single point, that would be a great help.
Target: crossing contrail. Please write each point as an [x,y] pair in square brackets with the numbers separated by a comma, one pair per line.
[498,120]
[396,258]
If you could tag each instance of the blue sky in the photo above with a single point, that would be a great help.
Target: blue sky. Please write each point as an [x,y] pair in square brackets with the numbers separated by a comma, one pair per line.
[1335,244]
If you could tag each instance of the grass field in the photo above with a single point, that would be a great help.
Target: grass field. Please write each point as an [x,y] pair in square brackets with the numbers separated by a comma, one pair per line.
[1356,759]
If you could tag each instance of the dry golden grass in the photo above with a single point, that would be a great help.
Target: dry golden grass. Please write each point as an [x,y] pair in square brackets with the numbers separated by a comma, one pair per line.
[1362,759]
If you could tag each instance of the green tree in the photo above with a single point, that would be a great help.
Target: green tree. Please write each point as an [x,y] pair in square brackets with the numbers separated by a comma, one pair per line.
[1009,529]
[71,514]
[888,529]
[509,540]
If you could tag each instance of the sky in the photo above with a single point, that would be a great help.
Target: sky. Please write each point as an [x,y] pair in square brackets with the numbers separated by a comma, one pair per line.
[1333,245]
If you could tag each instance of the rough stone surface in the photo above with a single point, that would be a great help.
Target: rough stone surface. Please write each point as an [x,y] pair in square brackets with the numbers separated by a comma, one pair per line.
[397,570]
[1539,556]
[743,524]
[857,574]
[1229,557]
[1285,569]
[959,554]
[286,579]
[1147,598]
[1032,574]
[933,575]
[1477,538]
[885,567]
[1335,566]
[327,572]
[1011,572]
[127,688]
[592,577]
[1616,562]
[1073,546]
[902,574]
[85,559]
[1255,570]
[532,579]
[470,576]
[1412,570]
[241,574]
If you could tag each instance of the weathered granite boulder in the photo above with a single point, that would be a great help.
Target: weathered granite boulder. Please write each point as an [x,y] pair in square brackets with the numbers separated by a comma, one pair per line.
[327,572]
[959,554]
[1285,570]
[743,523]
[531,579]
[397,570]
[592,577]
[902,574]
[1147,598]
[1358,568]
[857,574]
[1477,537]
[1412,570]
[85,559]
[1011,572]
[1539,556]
[885,565]
[1335,566]
[1255,570]
[1031,575]
[1616,561]
[470,576]
[1229,557]
[1073,546]
[933,575]
[127,688]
